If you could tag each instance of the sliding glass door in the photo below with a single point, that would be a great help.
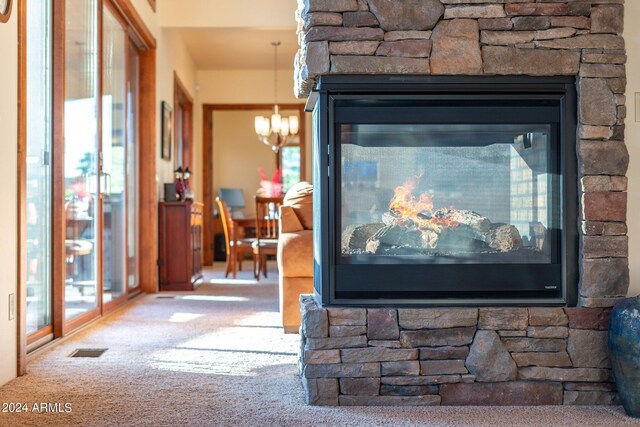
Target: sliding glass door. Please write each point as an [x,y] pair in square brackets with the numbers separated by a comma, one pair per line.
[114,150]
[81,156]
[38,169]
[81,90]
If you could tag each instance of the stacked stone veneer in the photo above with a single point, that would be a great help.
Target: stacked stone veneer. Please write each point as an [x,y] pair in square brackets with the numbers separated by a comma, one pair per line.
[455,356]
[546,358]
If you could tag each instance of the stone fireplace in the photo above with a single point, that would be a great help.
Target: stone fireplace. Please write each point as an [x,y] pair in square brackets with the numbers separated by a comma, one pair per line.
[517,354]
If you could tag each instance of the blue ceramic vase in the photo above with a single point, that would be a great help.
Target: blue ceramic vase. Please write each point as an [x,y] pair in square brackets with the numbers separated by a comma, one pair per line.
[624,349]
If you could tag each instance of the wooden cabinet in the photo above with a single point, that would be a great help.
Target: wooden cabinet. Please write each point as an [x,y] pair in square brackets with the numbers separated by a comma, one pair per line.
[180,238]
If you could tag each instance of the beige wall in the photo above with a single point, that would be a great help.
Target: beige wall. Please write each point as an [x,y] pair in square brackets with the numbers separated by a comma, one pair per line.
[200,13]
[8,194]
[632,138]
[171,56]
[237,154]
[244,87]
[147,14]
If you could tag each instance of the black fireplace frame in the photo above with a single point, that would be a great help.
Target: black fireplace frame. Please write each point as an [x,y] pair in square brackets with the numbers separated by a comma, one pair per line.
[331,89]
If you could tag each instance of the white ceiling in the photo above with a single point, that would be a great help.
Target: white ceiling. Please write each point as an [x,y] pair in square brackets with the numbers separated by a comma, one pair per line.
[239,48]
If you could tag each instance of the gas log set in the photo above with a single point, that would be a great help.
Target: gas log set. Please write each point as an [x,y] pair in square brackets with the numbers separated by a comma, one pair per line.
[413,226]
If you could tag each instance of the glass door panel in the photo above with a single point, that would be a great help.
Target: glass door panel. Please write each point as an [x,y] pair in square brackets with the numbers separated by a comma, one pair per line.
[420,184]
[38,170]
[132,166]
[81,157]
[114,177]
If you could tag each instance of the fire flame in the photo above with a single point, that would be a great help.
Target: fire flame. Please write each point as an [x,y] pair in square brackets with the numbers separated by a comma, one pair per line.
[417,211]
[405,203]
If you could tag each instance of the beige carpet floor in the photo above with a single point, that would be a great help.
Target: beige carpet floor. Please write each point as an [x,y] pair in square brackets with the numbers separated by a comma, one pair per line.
[216,356]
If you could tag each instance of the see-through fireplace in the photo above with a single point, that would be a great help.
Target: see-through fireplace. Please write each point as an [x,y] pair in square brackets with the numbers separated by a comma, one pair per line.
[445,190]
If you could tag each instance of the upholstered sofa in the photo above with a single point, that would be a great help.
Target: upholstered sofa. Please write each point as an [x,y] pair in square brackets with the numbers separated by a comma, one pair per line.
[295,253]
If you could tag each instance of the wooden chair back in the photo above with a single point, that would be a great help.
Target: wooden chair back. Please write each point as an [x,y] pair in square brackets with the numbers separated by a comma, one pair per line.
[267,217]
[227,223]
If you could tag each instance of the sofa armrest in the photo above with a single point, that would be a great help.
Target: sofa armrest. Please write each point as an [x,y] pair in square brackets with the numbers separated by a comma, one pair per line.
[289,221]
[295,254]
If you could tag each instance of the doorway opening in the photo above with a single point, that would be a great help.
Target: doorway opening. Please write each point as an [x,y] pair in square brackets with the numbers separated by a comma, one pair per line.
[293,156]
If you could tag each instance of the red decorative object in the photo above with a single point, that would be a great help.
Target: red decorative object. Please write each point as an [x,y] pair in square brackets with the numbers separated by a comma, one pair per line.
[273,187]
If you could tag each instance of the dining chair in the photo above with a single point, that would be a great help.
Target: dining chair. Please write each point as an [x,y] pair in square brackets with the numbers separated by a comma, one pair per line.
[267,225]
[235,246]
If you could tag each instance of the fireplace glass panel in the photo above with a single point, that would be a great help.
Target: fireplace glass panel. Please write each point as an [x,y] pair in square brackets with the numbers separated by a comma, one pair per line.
[444,194]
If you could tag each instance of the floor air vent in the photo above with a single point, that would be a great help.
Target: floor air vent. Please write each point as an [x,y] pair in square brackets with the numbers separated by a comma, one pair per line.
[166,297]
[88,352]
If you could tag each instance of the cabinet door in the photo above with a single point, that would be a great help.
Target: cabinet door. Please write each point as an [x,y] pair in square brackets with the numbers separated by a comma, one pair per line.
[196,243]
[175,242]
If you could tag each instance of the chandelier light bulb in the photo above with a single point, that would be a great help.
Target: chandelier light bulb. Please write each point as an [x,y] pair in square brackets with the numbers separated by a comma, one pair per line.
[293,125]
[259,125]
[276,121]
[262,125]
[284,127]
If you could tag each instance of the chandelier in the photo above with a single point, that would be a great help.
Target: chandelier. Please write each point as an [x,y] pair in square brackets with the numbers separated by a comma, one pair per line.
[277,131]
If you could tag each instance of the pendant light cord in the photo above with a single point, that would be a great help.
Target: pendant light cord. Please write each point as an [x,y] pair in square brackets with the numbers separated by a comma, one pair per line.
[275,69]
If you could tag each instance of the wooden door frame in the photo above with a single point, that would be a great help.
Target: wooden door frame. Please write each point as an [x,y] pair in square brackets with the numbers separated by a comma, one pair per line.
[207,161]
[183,99]
[148,233]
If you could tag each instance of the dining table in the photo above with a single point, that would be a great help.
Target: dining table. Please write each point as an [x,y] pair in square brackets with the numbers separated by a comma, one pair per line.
[244,227]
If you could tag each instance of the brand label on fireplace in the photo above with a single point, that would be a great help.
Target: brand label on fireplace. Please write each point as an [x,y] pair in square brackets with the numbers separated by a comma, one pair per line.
[551,287]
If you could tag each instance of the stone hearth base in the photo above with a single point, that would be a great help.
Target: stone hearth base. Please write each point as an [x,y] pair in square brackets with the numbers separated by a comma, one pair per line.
[455,356]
